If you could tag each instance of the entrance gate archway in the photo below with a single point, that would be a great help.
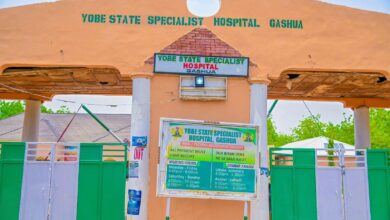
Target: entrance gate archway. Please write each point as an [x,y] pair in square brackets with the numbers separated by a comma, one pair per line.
[96,56]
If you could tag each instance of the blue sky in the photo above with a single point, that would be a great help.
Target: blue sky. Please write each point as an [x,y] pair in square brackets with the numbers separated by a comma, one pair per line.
[373,5]
[286,115]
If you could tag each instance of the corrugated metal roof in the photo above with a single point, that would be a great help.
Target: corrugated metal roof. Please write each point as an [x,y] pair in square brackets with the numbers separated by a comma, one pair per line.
[82,129]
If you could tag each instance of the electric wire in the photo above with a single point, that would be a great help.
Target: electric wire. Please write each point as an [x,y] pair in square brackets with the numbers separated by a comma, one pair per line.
[314,118]
[67,126]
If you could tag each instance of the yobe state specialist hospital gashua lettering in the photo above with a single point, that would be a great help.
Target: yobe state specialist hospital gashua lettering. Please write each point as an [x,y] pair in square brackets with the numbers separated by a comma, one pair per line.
[217,136]
[156,20]
[295,24]
[201,65]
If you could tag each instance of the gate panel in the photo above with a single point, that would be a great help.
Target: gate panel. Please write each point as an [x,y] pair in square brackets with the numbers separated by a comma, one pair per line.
[356,198]
[305,184]
[64,183]
[293,189]
[11,175]
[282,197]
[113,192]
[329,194]
[378,162]
[102,182]
[305,187]
[36,187]
[329,186]
[36,182]
[88,202]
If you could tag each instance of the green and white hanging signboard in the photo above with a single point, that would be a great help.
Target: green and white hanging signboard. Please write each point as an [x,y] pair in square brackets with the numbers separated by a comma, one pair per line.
[201,65]
[208,160]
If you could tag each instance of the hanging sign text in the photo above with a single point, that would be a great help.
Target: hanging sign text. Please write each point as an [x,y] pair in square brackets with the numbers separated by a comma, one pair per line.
[200,160]
[201,65]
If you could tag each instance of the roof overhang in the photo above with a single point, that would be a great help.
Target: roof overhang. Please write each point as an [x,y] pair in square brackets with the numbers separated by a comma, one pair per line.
[332,38]
[44,82]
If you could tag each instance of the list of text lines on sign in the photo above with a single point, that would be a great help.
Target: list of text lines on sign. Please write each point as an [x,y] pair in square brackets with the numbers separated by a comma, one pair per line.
[201,160]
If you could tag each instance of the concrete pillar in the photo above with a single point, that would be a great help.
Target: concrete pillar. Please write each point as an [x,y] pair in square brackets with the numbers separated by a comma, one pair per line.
[258,115]
[362,127]
[139,153]
[32,116]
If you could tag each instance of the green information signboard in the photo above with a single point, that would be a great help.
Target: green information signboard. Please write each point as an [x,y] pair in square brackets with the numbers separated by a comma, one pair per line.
[208,160]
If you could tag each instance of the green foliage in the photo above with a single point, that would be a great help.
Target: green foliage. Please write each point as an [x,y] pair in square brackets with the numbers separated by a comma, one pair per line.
[310,127]
[344,131]
[331,152]
[63,110]
[380,128]
[9,109]
[44,109]
[276,139]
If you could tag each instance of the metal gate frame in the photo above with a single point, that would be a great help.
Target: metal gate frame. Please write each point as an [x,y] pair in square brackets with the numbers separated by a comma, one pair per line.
[293,186]
[351,200]
[291,167]
[329,185]
[43,160]
[102,181]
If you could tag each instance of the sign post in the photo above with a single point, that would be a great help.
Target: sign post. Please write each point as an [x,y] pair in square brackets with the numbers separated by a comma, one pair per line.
[208,160]
[168,209]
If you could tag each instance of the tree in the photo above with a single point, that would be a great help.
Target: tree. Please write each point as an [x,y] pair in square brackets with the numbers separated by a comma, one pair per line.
[8,109]
[311,127]
[380,128]
[276,139]
[11,108]
[344,131]
[63,110]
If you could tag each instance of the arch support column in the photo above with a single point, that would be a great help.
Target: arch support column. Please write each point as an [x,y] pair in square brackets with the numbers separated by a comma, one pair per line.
[362,127]
[139,148]
[258,116]
[32,117]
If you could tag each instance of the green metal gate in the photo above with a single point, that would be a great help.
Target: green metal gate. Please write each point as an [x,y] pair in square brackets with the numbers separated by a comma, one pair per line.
[379,183]
[11,175]
[293,184]
[102,182]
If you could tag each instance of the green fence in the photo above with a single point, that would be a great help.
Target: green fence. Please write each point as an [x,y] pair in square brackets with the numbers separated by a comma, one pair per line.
[293,184]
[102,182]
[11,176]
[379,183]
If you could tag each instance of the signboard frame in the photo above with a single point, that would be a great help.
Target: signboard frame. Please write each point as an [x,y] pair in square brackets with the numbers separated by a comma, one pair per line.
[162,191]
[195,74]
